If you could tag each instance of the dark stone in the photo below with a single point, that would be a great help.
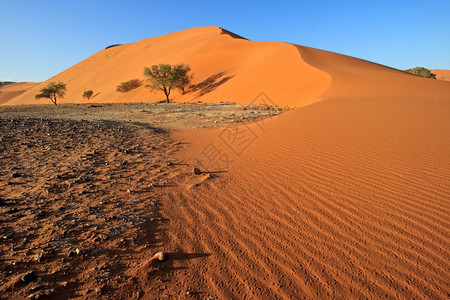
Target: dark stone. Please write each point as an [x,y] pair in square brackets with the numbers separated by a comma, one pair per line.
[2,202]
[16,175]
[197,171]
[28,277]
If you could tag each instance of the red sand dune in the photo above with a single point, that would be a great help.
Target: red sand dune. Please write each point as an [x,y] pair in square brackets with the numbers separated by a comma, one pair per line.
[441,74]
[346,196]
[227,68]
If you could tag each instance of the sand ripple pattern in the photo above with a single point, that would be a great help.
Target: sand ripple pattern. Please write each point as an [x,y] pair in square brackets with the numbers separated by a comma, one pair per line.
[336,204]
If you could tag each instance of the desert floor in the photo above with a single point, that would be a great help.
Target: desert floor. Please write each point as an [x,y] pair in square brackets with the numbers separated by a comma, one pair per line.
[292,206]
[83,191]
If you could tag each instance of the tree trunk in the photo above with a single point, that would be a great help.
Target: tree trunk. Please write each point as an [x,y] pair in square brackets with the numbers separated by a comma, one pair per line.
[167,92]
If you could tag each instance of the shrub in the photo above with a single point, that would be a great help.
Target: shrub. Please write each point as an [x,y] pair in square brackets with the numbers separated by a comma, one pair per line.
[88,94]
[422,72]
[128,85]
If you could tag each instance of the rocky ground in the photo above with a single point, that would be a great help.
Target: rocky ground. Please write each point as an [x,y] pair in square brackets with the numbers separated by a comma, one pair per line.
[80,196]
[172,116]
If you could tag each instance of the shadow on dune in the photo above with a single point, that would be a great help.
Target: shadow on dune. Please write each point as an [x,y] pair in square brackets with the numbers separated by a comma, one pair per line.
[209,84]
[185,256]
[172,257]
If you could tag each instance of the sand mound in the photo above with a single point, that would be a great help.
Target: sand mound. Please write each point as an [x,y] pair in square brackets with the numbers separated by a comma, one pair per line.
[441,74]
[9,91]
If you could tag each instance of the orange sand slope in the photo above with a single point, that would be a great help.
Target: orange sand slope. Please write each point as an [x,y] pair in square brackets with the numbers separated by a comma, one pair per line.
[346,197]
[9,91]
[441,74]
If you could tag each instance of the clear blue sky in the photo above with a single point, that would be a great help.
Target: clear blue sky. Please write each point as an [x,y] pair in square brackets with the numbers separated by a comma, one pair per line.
[40,38]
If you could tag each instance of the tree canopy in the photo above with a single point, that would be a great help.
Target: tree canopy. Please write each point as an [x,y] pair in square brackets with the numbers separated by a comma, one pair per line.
[53,91]
[422,72]
[88,94]
[166,77]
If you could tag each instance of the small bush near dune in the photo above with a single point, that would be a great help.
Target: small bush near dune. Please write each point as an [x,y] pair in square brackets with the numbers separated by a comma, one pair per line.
[422,72]
[129,85]
[88,94]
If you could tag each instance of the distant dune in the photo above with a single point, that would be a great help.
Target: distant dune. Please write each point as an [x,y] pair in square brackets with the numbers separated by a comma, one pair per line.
[345,197]
[441,74]
[11,90]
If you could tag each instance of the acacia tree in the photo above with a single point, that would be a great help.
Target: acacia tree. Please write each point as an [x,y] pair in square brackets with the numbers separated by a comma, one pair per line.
[166,77]
[88,94]
[53,91]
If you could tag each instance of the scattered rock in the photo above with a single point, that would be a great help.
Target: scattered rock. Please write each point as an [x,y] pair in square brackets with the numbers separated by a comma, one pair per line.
[38,257]
[170,163]
[197,171]
[98,290]
[161,256]
[16,175]
[27,278]
[2,202]
[37,287]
